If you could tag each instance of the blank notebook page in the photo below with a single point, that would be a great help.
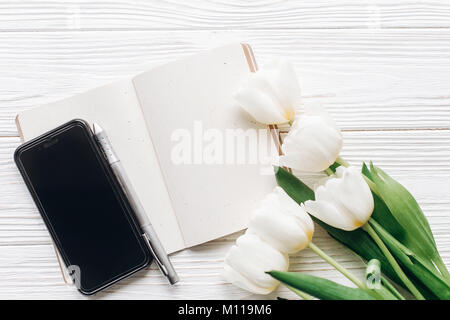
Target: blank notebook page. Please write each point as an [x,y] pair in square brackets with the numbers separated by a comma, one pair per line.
[209,200]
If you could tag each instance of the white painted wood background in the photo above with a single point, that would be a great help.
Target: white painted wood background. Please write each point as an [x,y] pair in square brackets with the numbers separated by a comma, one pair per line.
[382,68]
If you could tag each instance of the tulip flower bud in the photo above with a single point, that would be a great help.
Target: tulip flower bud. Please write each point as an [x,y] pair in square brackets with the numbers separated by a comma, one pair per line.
[313,143]
[344,201]
[247,262]
[272,94]
[282,223]
[279,226]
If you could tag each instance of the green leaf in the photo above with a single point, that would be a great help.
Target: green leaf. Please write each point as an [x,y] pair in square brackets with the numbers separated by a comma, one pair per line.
[319,287]
[358,240]
[381,213]
[413,229]
[383,216]
[296,189]
[363,245]
[386,219]
[365,171]
[414,264]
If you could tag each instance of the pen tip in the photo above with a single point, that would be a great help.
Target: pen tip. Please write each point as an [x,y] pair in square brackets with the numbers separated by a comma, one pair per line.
[96,128]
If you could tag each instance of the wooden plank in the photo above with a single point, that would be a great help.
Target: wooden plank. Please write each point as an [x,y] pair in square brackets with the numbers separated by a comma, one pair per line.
[235,14]
[28,267]
[32,272]
[367,80]
[371,77]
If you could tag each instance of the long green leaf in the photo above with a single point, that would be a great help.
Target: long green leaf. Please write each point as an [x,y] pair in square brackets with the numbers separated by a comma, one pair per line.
[414,264]
[319,287]
[382,214]
[295,188]
[360,243]
[406,211]
[357,240]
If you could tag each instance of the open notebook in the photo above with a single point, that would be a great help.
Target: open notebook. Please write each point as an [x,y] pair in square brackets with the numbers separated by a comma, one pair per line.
[188,204]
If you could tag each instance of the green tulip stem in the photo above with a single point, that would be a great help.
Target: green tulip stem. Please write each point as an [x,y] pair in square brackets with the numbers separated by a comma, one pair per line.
[329,172]
[337,266]
[301,294]
[392,289]
[368,228]
[342,162]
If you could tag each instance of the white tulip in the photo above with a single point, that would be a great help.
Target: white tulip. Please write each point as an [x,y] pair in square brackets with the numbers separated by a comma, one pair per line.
[247,262]
[313,143]
[272,94]
[344,201]
[278,226]
[282,223]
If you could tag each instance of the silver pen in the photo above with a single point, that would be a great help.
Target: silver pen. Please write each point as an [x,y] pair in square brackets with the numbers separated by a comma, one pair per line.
[152,240]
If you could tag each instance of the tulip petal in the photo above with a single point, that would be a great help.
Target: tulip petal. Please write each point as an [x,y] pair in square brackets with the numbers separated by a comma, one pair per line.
[353,184]
[311,145]
[282,223]
[259,106]
[272,94]
[240,281]
[251,257]
[350,194]
[344,201]
[292,208]
[285,83]
[283,232]
[278,226]
[329,214]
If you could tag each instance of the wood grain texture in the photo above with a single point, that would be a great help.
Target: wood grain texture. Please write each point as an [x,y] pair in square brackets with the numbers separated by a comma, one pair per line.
[388,79]
[28,264]
[221,15]
[381,68]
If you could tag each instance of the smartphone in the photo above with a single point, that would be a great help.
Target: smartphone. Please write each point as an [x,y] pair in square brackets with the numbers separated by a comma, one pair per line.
[83,206]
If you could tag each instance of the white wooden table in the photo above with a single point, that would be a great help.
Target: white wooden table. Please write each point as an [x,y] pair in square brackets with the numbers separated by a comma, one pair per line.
[382,68]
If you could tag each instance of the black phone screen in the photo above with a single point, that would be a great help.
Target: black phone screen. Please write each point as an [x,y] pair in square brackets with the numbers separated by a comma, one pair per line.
[82,206]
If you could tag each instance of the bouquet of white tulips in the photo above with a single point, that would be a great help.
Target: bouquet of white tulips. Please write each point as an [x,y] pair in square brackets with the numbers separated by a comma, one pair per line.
[362,207]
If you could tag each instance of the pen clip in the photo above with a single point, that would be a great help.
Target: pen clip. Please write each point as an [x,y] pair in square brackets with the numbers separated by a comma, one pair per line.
[158,262]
